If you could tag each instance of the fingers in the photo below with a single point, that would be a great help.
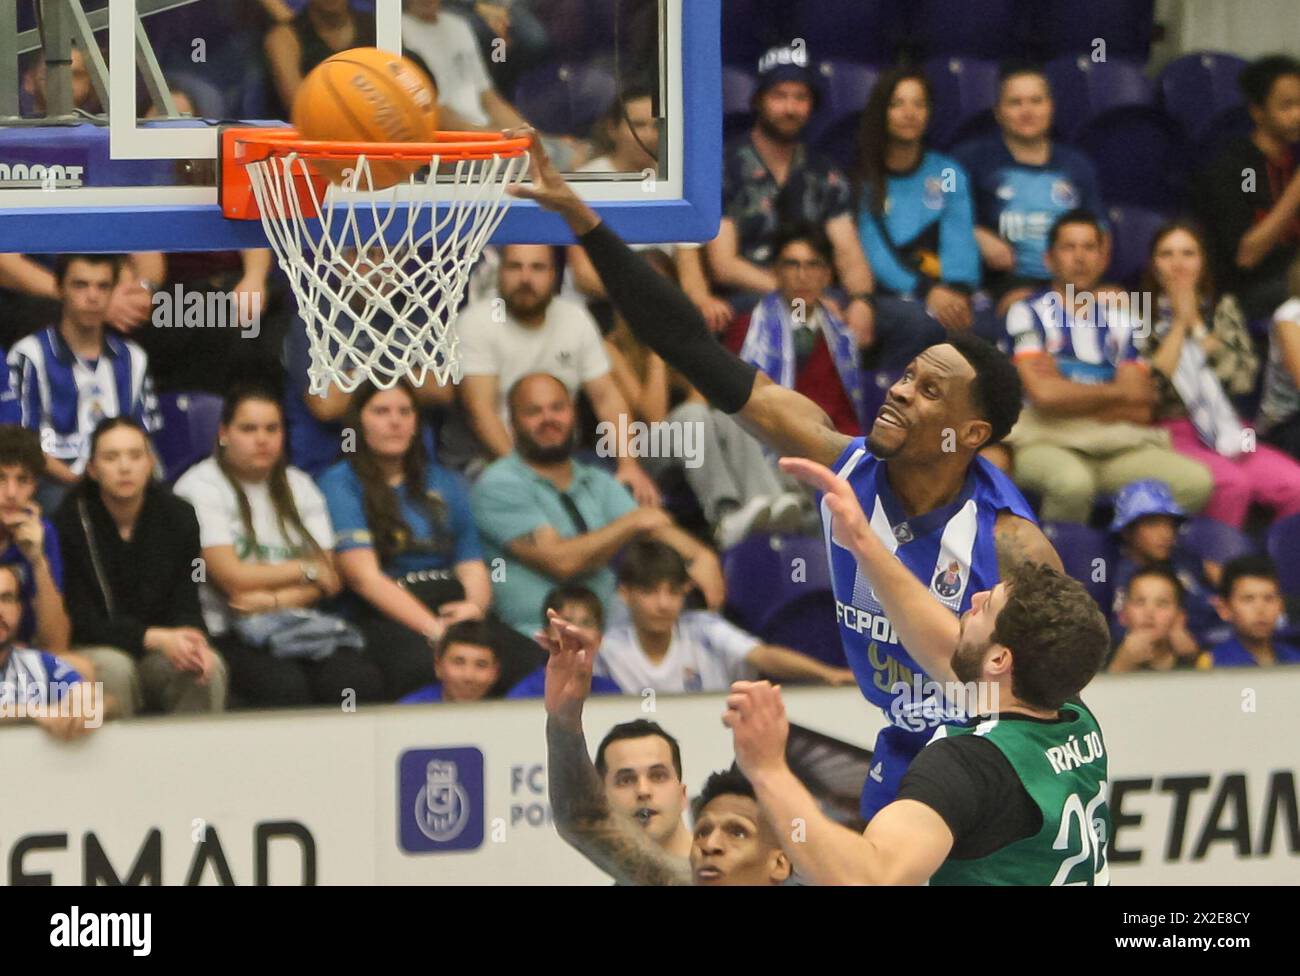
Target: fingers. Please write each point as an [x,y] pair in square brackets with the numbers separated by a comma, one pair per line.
[810,473]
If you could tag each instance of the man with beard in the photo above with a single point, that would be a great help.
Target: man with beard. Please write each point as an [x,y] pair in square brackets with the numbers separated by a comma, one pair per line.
[770,178]
[530,330]
[551,519]
[639,839]
[933,500]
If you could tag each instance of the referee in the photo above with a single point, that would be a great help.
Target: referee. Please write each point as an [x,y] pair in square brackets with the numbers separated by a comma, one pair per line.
[1016,795]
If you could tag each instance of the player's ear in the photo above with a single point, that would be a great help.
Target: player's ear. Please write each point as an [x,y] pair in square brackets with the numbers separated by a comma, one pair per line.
[779,869]
[975,434]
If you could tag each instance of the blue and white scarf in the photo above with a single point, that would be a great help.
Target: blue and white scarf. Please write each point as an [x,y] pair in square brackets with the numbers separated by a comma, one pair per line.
[1208,406]
[769,345]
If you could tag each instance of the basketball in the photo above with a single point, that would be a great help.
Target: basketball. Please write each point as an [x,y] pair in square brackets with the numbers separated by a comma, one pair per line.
[367,95]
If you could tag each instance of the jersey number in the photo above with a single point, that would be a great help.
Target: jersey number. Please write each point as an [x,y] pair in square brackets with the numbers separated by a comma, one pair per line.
[1093,846]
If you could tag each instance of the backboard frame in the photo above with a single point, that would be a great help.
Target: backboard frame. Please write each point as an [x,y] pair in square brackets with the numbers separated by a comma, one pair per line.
[684,205]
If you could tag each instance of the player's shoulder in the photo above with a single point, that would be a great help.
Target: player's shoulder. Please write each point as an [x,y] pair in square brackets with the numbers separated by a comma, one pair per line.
[856,460]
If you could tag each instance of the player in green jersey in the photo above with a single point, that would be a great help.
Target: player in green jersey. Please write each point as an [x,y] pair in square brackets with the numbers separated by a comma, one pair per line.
[1016,795]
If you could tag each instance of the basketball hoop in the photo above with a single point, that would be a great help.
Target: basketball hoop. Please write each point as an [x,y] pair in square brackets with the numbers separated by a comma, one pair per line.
[379,271]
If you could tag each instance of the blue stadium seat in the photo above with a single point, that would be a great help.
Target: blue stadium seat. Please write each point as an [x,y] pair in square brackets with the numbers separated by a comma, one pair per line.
[867,31]
[750,27]
[1085,89]
[1207,538]
[763,577]
[987,29]
[1072,27]
[1132,229]
[808,625]
[1283,544]
[565,98]
[737,100]
[1079,546]
[210,102]
[965,91]
[189,433]
[845,88]
[1198,90]
[1140,157]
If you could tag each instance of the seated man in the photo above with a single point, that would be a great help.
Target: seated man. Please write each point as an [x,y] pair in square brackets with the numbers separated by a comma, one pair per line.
[731,844]
[664,649]
[546,518]
[1155,631]
[1086,428]
[36,684]
[465,663]
[581,607]
[1250,599]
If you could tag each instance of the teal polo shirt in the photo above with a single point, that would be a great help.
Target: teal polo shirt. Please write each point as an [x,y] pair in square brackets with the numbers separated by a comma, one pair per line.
[511,500]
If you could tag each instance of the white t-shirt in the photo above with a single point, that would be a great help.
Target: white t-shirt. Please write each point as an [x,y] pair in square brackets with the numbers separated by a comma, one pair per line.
[706,654]
[450,50]
[567,345]
[214,501]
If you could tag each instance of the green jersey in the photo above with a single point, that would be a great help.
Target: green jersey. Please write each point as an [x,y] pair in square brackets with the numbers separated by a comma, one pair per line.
[1062,766]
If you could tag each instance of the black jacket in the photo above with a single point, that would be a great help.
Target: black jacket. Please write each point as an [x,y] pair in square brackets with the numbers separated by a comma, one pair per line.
[146,582]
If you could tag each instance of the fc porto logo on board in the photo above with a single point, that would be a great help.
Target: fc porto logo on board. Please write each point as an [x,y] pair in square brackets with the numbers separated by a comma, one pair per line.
[440,800]
[947,582]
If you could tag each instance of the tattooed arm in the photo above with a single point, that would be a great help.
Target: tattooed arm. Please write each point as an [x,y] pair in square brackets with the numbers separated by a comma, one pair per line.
[583,816]
[1020,540]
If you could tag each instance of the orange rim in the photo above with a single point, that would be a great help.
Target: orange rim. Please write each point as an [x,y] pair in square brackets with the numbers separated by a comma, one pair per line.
[449,146]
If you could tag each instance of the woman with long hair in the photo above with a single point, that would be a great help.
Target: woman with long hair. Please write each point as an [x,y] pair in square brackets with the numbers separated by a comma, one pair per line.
[1201,354]
[915,213]
[266,538]
[406,542]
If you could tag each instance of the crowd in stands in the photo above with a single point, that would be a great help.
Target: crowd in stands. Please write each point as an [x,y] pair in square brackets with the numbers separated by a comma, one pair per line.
[406,544]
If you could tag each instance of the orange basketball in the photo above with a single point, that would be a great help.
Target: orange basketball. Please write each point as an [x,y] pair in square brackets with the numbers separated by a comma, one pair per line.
[367,95]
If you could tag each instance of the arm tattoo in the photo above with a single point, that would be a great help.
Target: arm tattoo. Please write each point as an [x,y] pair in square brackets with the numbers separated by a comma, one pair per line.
[583,817]
[1019,541]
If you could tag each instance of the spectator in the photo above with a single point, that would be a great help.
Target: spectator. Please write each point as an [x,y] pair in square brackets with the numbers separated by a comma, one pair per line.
[1249,197]
[406,542]
[1279,407]
[580,607]
[769,178]
[320,30]
[641,767]
[34,91]
[1022,182]
[537,332]
[1087,425]
[465,663]
[265,534]
[915,218]
[664,649]
[1155,637]
[1251,601]
[1197,368]
[130,548]
[1146,521]
[70,376]
[36,684]
[551,519]
[510,36]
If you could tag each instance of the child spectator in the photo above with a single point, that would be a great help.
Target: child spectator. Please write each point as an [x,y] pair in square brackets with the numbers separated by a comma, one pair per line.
[130,548]
[1146,521]
[1251,601]
[466,664]
[580,607]
[1155,632]
[664,649]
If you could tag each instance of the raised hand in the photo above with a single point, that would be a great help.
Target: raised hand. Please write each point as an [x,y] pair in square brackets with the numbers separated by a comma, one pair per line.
[572,651]
[756,716]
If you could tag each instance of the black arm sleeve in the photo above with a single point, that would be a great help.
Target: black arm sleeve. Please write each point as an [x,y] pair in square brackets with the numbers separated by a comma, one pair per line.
[969,783]
[660,315]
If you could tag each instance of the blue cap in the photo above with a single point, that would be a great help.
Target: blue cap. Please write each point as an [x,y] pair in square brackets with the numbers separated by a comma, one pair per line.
[1143,498]
[787,62]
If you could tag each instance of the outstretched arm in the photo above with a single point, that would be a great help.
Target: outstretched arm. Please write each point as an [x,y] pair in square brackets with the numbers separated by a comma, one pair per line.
[583,816]
[1020,540]
[664,318]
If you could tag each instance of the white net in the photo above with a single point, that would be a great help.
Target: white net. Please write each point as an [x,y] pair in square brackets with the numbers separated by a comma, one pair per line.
[380,276]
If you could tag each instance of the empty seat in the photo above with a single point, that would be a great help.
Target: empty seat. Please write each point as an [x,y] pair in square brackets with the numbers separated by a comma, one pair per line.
[767,573]
[965,91]
[1080,547]
[1084,89]
[987,29]
[565,98]
[189,433]
[1132,229]
[1283,544]
[1140,157]
[1199,90]
[849,30]
[845,88]
[1075,27]
[1207,538]
[737,100]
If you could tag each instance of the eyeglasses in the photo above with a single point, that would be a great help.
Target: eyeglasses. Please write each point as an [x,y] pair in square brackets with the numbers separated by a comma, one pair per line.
[790,264]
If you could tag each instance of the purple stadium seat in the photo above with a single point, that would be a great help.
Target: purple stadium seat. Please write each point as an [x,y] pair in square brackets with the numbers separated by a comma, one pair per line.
[845,88]
[1140,157]
[750,27]
[965,90]
[1084,89]
[189,433]
[1207,538]
[808,624]
[1079,546]
[1198,90]
[1283,544]
[763,577]
[565,98]
[867,31]
[1072,27]
[988,29]
[737,99]
[1132,229]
